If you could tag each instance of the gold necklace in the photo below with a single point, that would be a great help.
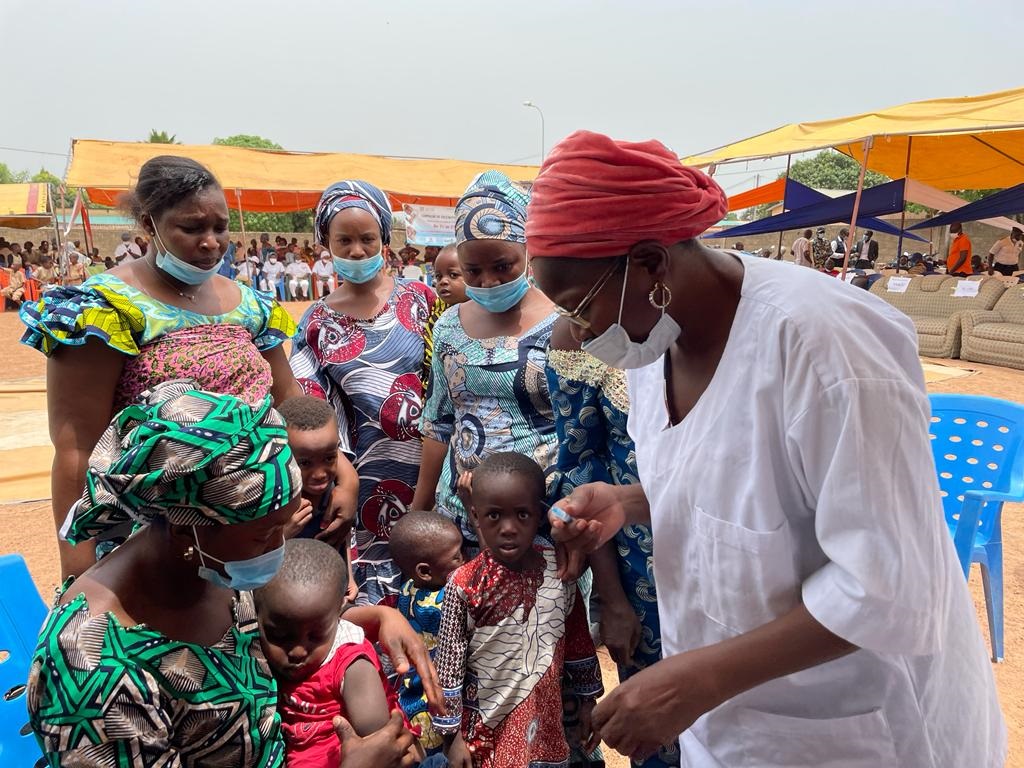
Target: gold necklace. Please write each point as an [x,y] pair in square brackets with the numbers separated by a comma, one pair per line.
[190,296]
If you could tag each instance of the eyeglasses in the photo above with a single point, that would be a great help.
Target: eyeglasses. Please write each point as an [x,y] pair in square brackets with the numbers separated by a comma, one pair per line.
[574,316]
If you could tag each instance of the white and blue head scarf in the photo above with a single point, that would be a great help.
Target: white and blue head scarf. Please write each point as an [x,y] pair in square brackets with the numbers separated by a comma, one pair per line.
[493,207]
[352,194]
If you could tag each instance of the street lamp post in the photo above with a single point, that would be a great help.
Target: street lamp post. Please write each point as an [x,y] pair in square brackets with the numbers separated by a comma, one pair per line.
[534,106]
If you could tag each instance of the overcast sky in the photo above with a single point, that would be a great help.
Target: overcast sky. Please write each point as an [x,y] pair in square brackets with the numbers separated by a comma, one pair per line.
[447,79]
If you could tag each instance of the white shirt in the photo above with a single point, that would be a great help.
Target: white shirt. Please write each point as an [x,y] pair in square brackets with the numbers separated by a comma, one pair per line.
[412,272]
[802,252]
[297,270]
[804,474]
[245,271]
[1005,252]
[272,272]
[127,249]
[324,270]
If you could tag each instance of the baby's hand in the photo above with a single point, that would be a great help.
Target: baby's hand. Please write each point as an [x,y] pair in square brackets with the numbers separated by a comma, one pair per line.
[299,519]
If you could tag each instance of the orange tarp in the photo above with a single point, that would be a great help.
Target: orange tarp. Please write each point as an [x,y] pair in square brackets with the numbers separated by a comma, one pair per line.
[772,192]
[272,181]
[23,206]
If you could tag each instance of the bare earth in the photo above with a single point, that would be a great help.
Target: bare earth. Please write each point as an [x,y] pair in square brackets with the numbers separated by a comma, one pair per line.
[29,531]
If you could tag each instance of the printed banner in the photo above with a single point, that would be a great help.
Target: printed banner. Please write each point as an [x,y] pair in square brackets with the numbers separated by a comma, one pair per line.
[429,224]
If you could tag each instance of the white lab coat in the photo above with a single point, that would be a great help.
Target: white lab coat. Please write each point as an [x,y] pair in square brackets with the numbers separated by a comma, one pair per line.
[804,473]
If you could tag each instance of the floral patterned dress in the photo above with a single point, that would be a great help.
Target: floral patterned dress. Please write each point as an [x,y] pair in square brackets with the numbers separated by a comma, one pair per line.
[221,353]
[371,371]
[487,396]
[591,405]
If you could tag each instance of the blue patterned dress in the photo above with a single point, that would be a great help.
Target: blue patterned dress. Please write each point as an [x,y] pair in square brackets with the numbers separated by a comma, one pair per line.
[421,607]
[487,396]
[591,405]
[371,371]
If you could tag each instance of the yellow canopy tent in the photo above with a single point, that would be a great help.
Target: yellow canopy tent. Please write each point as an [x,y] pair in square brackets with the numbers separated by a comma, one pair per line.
[24,206]
[975,142]
[272,181]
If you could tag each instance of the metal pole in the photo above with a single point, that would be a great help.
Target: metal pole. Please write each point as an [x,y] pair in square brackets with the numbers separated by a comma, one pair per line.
[903,213]
[543,144]
[789,159]
[241,216]
[856,205]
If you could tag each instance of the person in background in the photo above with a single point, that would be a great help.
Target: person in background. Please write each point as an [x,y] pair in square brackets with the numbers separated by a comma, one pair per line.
[959,260]
[108,263]
[867,248]
[298,275]
[15,288]
[77,273]
[143,244]
[28,256]
[265,248]
[45,274]
[44,251]
[839,245]
[272,272]
[1005,253]
[323,274]
[802,250]
[127,250]
[820,250]
[227,264]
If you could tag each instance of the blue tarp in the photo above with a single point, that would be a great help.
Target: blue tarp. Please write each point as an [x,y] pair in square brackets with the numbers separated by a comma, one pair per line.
[812,208]
[1004,203]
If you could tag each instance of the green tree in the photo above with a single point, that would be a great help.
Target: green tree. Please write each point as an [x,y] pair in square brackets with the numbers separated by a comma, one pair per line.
[7,176]
[45,177]
[162,137]
[297,221]
[832,170]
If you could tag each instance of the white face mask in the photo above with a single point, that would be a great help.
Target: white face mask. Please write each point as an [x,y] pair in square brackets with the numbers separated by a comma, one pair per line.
[614,348]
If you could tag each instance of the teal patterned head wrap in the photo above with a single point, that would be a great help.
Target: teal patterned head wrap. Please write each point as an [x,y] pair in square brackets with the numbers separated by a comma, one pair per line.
[493,207]
[192,457]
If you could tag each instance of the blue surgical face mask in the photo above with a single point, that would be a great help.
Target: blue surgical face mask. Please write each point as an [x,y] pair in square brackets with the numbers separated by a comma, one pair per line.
[500,298]
[358,270]
[243,575]
[179,269]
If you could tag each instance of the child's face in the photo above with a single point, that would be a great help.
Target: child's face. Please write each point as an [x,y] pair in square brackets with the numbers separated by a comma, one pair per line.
[316,453]
[444,558]
[507,517]
[297,628]
[448,278]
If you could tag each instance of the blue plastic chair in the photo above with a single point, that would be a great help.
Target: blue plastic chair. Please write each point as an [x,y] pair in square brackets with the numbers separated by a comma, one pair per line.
[22,614]
[977,445]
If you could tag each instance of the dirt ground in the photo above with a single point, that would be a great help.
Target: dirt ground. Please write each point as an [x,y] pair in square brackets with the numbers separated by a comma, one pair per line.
[28,530]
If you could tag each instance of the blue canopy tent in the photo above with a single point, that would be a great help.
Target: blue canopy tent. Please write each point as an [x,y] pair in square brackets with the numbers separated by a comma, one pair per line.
[1004,203]
[811,208]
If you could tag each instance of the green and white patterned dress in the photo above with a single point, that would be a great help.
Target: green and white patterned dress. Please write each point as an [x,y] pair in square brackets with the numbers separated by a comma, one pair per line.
[102,694]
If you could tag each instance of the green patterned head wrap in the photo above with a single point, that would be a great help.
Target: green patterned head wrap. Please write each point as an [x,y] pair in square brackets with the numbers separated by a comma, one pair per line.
[192,457]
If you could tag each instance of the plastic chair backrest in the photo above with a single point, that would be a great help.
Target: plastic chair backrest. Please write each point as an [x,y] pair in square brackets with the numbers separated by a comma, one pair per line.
[976,442]
[22,613]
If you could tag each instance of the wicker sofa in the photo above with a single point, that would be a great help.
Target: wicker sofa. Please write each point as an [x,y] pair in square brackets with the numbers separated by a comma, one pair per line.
[996,336]
[936,312]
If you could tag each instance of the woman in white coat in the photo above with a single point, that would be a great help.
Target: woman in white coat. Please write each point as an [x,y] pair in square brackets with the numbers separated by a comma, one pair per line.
[813,611]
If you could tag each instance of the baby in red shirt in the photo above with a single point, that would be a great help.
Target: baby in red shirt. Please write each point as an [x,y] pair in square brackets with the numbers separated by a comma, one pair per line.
[323,665]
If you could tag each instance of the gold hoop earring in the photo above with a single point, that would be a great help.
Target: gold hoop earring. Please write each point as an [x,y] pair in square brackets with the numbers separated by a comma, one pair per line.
[666,296]
[190,553]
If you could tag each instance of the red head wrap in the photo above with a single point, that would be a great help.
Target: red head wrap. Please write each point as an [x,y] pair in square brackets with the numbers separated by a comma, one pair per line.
[596,197]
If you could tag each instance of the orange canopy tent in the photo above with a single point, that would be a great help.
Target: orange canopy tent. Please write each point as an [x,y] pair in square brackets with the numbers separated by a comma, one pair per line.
[270,181]
[24,206]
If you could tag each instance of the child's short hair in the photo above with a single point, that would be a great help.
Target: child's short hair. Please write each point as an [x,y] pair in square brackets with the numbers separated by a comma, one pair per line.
[417,534]
[308,563]
[510,463]
[306,413]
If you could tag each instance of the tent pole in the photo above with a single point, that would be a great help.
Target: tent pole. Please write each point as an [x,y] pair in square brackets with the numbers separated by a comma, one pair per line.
[241,216]
[778,251]
[856,205]
[903,213]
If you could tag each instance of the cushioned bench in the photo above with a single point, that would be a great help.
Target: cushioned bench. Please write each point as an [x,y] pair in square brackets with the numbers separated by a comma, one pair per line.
[997,335]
